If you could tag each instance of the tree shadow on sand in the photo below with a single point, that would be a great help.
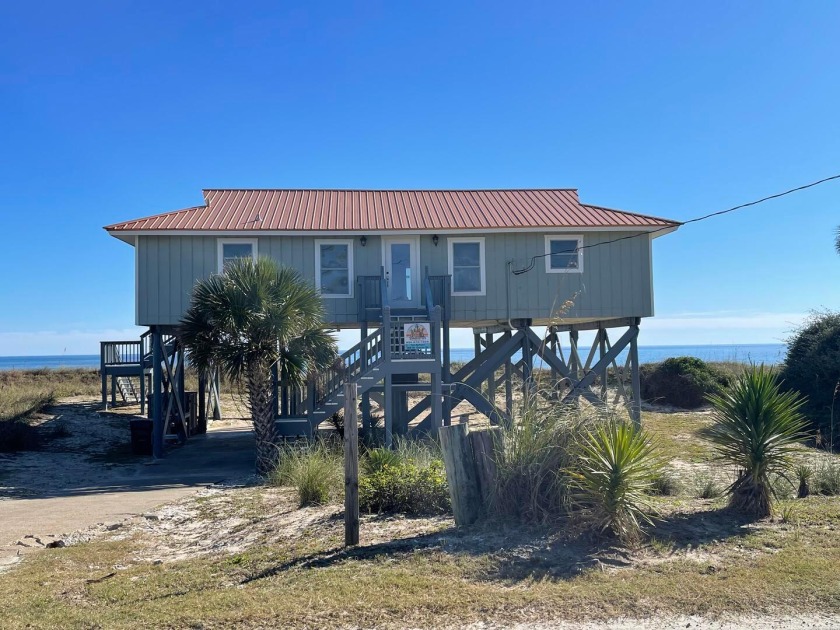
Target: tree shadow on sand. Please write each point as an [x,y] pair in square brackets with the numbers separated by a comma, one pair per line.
[517,553]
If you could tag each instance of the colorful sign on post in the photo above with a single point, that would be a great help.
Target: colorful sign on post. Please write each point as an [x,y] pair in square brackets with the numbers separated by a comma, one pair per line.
[418,337]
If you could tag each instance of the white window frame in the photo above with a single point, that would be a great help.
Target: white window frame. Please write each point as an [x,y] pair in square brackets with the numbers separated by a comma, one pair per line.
[220,249]
[563,237]
[483,269]
[350,274]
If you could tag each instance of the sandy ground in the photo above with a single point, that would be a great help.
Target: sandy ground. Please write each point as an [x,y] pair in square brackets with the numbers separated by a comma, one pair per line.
[199,502]
[88,477]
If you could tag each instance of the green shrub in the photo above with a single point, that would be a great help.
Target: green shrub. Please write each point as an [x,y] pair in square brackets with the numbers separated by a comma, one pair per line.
[376,459]
[705,487]
[812,367]
[757,428]
[683,382]
[404,487]
[315,471]
[665,483]
[804,474]
[827,479]
[615,470]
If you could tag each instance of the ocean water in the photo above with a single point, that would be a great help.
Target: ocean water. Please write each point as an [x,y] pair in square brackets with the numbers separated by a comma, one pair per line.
[53,362]
[770,353]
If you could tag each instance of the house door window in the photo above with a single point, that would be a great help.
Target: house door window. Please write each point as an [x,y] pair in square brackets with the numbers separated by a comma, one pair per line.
[402,271]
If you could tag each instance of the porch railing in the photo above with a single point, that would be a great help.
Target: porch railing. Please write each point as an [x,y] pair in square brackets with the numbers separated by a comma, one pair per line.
[372,295]
[120,352]
[366,354]
[440,294]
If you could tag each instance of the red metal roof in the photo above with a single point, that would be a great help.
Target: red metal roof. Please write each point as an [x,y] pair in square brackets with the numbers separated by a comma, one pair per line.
[386,210]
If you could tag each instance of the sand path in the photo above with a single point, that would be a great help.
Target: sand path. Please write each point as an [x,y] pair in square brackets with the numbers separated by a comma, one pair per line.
[86,478]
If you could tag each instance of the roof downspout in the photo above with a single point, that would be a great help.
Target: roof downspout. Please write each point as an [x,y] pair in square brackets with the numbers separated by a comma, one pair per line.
[507,291]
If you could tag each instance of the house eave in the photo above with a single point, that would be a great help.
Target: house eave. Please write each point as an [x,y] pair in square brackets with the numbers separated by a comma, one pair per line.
[129,235]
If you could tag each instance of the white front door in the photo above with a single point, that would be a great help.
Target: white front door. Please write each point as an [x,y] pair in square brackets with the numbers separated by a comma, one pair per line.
[402,270]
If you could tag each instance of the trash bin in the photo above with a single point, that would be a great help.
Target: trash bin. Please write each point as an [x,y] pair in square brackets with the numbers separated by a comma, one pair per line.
[141,436]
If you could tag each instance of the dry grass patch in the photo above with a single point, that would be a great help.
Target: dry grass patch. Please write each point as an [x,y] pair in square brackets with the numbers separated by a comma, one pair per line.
[268,562]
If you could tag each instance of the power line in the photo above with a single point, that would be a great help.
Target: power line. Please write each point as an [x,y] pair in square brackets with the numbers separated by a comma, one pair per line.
[534,259]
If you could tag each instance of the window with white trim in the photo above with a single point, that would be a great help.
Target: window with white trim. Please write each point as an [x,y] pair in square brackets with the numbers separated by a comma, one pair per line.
[231,249]
[467,266]
[334,267]
[563,254]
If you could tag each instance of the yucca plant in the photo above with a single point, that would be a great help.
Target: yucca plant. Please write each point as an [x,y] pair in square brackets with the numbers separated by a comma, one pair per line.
[616,470]
[804,474]
[757,428]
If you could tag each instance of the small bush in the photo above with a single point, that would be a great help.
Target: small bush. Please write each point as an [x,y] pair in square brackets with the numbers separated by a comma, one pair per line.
[683,382]
[615,470]
[404,487]
[757,427]
[705,487]
[532,467]
[812,367]
[315,471]
[804,473]
[827,479]
[665,483]
[377,459]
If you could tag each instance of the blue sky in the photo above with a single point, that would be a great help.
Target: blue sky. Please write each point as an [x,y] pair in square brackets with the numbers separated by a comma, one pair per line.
[114,110]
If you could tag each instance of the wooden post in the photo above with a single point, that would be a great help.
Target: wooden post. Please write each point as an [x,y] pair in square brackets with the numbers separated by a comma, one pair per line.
[158,428]
[574,357]
[351,465]
[509,389]
[142,388]
[527,369]
[491,382]
[636,406]
[460,474]
[387,340]
[602,343]
[435,418]
[485,445]
[103,375]
[202,409]
[477,351]
[447,372]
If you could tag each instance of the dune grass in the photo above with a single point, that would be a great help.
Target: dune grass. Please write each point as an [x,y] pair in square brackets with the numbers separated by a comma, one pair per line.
[24,393]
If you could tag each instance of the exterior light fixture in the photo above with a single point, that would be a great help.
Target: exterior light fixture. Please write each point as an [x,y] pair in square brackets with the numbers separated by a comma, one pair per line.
[435,239]
[363,241]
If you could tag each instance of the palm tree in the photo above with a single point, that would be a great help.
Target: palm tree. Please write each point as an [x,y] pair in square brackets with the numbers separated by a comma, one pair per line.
[253,316]
[757,427]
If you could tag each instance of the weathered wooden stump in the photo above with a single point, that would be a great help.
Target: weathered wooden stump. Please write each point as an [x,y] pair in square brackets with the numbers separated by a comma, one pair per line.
[486,444]
[461,474]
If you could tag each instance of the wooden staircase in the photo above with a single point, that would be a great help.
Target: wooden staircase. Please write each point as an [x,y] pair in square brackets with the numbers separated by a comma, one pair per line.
[128,392]
[363,364]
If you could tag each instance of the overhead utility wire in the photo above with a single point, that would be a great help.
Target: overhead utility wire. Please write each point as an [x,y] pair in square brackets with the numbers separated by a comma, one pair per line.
[534,259]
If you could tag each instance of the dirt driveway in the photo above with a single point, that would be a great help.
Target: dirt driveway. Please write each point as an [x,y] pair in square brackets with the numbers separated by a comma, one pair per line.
[86,476]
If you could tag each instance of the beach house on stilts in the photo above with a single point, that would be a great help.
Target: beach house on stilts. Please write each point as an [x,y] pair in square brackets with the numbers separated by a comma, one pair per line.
[405,267]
